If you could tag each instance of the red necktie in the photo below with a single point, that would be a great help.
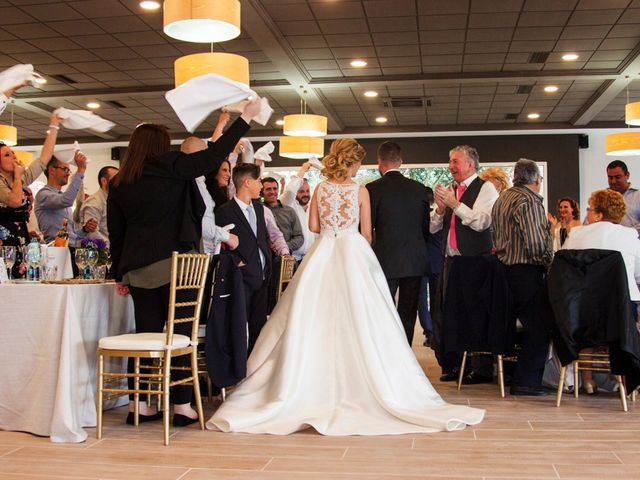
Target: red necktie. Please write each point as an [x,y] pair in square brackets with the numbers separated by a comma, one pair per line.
[453,241]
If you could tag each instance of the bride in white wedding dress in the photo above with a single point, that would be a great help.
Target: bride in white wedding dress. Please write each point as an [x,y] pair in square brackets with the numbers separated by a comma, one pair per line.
[333,355]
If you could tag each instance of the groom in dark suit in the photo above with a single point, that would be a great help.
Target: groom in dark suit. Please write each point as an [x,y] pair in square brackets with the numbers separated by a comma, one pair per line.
[253,254]
[400,220]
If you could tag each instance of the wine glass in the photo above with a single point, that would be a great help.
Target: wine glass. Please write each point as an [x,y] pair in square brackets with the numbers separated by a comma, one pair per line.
[9,258]
[108,261]
[81,260]
[92,259]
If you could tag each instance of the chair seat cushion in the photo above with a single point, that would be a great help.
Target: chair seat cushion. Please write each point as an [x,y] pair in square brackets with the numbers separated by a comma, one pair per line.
[142,341]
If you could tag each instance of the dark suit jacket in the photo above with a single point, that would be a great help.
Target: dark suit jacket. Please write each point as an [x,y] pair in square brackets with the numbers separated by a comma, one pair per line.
[162,210]
[400,221]
[250,244]
[226,338]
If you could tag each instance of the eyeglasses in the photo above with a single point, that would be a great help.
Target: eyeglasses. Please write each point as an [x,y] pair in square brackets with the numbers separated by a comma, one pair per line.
[64,169]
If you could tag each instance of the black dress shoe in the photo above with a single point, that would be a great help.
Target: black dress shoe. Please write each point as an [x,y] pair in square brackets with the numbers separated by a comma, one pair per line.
[472,378]
[450,377]
[182,420]
[144,418]
[528,391]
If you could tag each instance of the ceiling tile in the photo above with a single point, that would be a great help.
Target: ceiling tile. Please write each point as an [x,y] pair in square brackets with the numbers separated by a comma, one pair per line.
[307,41]
[299,27]
[320,64]
[398,24]
[380,8]
[489,34]
[36,30]
[130,23]
[631,15]
[545,5]
[442,22]
[396,38]
[532,46]
[486,47]
[413,61]
[602,65]
[12,15]
[493,20]
[289,12]
[354,52]
[141,38]
[429,7]
[442,36]
[397,50]
[600,5]
[343,26]
[585,32]
[314,53]
[620,31]
[337,10]
[430,60]
[543,19]
[496,5]
[45,13]
[618,43]
[595,17]
[441,48]
[76,27]
[576,45]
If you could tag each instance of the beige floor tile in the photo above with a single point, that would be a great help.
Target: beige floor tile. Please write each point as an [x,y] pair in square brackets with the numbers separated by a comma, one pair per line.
[598,471]
[198,474]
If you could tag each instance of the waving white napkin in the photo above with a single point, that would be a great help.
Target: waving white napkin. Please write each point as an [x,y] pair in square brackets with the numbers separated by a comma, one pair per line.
[83,119]
[195,99]
[264,152]
[314,162]
[17,75]
[66,153]
[265,110]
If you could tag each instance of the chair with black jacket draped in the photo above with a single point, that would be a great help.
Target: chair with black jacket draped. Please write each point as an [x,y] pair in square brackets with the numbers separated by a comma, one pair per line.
[589,306]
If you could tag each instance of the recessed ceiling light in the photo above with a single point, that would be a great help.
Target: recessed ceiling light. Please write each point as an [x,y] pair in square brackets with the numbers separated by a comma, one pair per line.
[279,122]
[381,119]
[93,105]
[371,94]
[570,57]
[533,116]
[150,5]
[550,89]
[358,63]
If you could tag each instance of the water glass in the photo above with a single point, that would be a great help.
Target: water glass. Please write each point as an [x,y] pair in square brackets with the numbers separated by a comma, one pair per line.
[50,272]
[34,261]
[9,254]
[99,272]
[81,260]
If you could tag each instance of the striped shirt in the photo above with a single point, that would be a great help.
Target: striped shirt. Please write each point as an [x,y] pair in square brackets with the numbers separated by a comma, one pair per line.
[520,228]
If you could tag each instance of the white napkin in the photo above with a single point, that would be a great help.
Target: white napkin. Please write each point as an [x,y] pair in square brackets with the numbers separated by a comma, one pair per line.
[263,153]
[265,110]
[83,119]
[17,75]
[314,162]
[66,153]
[195,99]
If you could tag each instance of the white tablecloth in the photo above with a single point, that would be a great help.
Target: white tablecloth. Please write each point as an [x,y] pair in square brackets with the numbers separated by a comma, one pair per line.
[48,355]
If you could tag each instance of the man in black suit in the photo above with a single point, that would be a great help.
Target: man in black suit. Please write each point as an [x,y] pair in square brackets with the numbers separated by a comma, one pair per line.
[253,254]
[400,219]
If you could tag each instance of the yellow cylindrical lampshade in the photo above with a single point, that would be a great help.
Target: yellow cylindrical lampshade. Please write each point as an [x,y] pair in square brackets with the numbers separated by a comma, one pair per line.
[632,114]
[306,125]
[202,21]
[8,135]
[301,147]
[229,65]
[623,144]
[26,158]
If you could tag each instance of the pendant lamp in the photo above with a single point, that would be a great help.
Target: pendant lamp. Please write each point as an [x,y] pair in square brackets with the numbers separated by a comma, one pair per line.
[26,158]
[229,65]
[623,144]
[8,135]
[301,147]
[202,21]
[304,124]
[632,114]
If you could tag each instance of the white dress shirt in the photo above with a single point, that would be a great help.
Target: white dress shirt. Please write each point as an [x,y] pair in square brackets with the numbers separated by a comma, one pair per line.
[609,236]
[477,218]
[245,210]
[212,234]
[288,198]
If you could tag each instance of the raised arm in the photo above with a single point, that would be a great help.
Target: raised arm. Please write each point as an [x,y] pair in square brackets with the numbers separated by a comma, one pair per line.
[314,216]
[365,213]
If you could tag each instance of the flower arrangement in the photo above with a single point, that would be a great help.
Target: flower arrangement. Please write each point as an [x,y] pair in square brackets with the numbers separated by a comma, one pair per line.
[99,245]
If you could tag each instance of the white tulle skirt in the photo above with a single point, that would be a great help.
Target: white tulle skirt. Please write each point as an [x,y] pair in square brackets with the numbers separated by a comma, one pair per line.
[334,356]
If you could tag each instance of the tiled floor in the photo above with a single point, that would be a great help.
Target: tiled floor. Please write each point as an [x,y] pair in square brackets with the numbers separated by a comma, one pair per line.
[520,438]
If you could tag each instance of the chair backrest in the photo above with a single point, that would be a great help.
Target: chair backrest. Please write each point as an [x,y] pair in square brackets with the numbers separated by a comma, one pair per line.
[188,276]
[287,267]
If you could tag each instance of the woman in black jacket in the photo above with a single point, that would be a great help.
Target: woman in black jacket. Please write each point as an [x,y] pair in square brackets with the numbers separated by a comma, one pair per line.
[154,207]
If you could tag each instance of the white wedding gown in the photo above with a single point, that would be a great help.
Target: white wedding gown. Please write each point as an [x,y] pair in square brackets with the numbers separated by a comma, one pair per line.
[333,355]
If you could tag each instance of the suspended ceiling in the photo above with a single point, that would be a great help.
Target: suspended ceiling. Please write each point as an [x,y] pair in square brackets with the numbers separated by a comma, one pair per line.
[437,65]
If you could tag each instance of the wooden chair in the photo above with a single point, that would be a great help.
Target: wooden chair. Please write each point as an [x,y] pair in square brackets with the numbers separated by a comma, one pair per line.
[500,359]
[287,269]
[595,362]
[188,274]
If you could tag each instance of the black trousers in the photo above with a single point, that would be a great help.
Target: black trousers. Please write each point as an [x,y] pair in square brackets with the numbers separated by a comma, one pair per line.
[526,284]
[257,301]
[408,294]
[151,306]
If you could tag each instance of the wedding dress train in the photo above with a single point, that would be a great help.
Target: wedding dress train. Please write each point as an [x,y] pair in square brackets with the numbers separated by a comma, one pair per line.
[333,354]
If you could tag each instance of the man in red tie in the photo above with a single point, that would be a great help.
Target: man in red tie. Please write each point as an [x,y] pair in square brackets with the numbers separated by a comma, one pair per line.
[464,214]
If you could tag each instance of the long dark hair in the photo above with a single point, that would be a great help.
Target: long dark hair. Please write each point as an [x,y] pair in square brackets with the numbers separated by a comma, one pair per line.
[147,141]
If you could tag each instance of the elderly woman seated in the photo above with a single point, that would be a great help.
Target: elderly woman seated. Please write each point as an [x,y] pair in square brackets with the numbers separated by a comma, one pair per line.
[605,211]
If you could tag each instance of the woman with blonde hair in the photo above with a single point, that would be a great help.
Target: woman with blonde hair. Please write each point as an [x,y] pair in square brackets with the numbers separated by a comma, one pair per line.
[334,355]
[498,177]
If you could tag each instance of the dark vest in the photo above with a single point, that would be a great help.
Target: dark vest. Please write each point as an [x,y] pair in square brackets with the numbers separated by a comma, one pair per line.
[470,242]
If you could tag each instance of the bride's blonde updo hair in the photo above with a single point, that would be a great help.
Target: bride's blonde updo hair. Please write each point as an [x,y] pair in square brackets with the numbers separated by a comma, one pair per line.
[344,153]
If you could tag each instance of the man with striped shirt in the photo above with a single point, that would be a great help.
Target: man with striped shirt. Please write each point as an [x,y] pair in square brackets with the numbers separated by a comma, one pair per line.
[523,244]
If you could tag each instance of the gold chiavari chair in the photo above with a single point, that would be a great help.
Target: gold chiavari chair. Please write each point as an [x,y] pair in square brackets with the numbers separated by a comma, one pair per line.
[188,274]
[287,269]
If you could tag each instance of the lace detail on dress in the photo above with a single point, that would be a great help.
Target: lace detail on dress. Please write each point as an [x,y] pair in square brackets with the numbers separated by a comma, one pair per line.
[338,207]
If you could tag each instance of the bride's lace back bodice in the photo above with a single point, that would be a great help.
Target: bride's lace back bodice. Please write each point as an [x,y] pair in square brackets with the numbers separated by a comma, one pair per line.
[338,207]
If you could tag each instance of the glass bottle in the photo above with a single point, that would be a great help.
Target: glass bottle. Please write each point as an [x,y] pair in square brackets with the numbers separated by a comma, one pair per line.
[62,237]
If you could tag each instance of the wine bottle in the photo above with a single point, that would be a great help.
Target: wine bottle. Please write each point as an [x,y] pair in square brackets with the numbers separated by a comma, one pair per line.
[62,237]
